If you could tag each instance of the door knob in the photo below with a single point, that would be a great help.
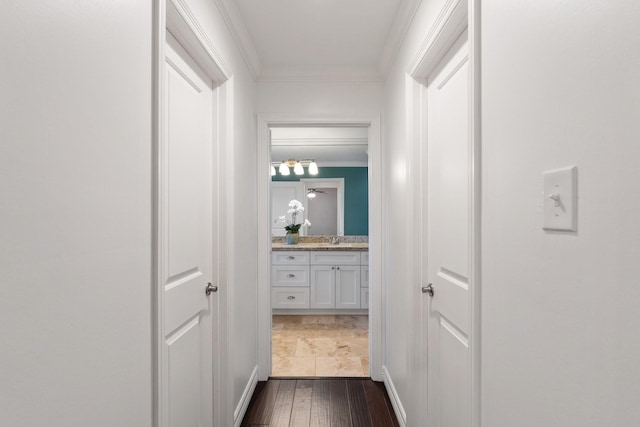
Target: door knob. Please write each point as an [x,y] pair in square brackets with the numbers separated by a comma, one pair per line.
[428,289]
[210,289]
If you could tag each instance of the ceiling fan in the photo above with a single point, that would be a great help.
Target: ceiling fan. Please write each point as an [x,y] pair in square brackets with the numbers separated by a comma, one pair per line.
[312,193]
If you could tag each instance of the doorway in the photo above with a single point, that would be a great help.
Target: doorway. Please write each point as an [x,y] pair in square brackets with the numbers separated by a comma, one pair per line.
[266,297]
[319,292]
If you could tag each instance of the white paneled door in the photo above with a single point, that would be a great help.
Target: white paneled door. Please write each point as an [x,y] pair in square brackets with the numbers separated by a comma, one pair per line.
[448,218]
[185,218]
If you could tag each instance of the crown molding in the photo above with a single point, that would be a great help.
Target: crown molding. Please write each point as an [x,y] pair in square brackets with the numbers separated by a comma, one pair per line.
[236,26]
[319,73]
[399,28]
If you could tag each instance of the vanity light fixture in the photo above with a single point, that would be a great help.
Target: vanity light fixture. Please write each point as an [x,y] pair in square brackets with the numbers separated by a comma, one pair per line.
[297,165]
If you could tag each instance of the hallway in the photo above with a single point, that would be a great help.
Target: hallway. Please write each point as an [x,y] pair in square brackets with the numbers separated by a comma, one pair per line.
[133,164]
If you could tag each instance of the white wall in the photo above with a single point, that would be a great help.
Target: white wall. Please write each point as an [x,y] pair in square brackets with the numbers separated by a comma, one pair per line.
[319,98]
[239,228]
[560,311]
[75,242]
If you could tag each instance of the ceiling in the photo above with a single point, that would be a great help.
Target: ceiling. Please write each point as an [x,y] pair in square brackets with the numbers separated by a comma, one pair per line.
[328,146]
[322,36]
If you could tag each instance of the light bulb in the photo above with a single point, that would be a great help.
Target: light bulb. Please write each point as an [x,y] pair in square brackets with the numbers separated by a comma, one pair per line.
[273,170]
[313,168]
[283,169]
[311,194]
[298,169]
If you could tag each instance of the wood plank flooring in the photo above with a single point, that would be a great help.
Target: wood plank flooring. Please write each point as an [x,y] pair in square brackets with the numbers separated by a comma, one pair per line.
[318,402]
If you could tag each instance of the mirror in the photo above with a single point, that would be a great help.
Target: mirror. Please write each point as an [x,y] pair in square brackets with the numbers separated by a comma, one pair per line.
[341,156]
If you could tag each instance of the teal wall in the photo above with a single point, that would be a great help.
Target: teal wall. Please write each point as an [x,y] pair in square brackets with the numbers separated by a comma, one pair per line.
[356,195]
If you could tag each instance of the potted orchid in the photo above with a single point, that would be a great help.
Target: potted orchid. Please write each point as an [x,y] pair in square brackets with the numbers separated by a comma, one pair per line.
[293,228]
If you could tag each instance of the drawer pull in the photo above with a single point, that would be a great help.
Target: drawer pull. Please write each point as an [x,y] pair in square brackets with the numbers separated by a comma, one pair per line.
[291,276]
[291,297]
[291,257]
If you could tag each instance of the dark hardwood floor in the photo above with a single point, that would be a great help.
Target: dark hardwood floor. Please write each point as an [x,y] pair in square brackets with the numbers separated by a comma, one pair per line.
[318,402]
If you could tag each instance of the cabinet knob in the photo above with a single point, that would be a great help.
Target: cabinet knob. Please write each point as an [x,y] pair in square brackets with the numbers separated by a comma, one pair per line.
[291,275]
[337,268]
[291,257]
[291,297]
[333,268]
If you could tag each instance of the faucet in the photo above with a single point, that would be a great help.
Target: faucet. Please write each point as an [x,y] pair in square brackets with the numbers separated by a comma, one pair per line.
[334,240]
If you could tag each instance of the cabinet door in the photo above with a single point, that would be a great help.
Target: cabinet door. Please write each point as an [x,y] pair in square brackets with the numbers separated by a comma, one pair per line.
[348,286]
[323,279]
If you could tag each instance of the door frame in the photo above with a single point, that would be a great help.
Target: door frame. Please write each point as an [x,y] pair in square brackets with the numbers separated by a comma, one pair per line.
[376,324]
[454,17]
[176,16]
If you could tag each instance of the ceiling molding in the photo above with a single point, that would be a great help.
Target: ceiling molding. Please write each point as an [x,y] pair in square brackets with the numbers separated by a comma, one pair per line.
[236,26]
[319,73]
[401,24]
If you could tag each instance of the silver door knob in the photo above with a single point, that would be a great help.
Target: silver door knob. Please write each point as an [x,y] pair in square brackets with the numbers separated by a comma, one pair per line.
[210,288]
[428,289]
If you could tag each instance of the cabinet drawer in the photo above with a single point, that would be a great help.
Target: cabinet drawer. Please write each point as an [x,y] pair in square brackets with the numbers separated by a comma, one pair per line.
[289,275]
[290,257]
[364,258]
[364,297]
[335,258]
[364,276]
[290,297]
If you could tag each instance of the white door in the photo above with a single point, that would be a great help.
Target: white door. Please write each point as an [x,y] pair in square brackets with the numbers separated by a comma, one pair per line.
[448,225]
[185,239]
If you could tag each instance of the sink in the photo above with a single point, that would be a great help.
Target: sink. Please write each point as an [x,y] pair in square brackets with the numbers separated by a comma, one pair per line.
[335,245]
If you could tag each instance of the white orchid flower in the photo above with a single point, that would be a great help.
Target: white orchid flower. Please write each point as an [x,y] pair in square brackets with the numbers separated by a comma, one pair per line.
[307,223]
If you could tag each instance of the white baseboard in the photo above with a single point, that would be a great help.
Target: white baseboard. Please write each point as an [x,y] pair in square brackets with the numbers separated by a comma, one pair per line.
[238,414]
[401,415]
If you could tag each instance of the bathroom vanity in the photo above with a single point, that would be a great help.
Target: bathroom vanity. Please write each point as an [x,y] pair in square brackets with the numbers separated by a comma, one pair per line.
[319,278]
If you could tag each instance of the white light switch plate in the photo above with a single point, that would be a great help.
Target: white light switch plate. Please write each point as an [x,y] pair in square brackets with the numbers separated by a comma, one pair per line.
[559,199]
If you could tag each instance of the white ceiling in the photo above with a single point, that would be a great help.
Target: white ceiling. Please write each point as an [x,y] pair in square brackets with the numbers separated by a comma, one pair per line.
[297,36]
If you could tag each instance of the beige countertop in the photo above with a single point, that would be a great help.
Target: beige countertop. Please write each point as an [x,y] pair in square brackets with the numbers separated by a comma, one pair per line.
[320,247]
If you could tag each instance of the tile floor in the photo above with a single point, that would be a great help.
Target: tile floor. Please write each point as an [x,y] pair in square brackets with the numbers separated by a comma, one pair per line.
[320,346]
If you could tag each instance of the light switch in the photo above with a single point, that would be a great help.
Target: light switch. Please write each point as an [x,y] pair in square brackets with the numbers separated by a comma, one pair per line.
[559,199]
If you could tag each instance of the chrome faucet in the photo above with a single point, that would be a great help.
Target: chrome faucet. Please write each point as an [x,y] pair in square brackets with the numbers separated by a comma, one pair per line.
[334,240]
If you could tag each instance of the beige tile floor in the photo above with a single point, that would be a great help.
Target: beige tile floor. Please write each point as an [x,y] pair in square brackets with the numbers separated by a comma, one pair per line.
[320,346]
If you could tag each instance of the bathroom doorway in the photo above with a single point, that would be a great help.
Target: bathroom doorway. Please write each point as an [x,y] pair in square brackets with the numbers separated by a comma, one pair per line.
[319,285]
[353,319]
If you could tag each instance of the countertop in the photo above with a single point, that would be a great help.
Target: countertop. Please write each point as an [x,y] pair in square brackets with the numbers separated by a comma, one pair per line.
[320,247]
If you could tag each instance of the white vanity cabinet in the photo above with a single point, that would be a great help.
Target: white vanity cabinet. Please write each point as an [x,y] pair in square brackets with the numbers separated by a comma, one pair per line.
[335,279]
[319,280]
